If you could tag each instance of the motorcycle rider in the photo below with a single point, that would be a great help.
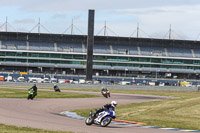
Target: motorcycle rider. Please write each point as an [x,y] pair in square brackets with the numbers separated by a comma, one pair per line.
[34,87]
[112,106]
[105,92]
[56,88]
[103,89]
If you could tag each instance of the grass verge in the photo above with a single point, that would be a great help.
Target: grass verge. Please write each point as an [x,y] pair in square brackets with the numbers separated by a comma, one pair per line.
[182,112]
[14,129]
[15,93]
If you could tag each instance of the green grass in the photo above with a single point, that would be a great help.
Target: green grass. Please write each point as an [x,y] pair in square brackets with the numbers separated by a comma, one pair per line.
[14,129]
[182,112]
[16,93]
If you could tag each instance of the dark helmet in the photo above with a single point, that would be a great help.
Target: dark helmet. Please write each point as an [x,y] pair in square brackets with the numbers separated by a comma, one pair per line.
[34,85]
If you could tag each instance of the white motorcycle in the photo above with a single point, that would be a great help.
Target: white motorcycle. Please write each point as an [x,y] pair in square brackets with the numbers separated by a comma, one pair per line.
[103,118]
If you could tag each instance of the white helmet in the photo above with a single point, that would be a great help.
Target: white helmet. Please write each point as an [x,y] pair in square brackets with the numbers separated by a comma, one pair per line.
[114,104]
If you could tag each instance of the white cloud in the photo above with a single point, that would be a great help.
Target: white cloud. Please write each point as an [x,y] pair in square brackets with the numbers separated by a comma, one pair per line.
[77,5]
[25,21]
[59,16]
[153,16]
[182,18]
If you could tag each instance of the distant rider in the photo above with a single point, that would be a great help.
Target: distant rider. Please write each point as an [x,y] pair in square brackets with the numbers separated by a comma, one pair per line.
[112,106]
[56,88]
[104,89]
[105,92]
[34,87]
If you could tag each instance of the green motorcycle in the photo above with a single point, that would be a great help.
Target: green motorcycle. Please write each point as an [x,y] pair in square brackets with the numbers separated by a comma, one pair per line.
[30,94]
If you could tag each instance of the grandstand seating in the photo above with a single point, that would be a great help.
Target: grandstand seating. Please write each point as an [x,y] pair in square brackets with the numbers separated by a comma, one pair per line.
[197,53]
[70,47]
[152,51]
[102,48]
[179,52]
[41,46]
[125,49]
[13,45]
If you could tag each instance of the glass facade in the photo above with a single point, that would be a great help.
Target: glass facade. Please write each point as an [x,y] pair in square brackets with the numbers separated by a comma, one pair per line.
[102,60]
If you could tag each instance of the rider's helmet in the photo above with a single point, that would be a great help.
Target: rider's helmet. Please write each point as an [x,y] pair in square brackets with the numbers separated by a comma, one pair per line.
[34,85]
[54,84]
[114,104]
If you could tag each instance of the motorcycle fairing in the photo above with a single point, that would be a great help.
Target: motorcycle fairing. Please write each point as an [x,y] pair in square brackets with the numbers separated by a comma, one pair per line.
[104,113]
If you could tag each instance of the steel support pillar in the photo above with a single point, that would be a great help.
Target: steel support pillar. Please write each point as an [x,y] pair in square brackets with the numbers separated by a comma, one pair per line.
[90,44]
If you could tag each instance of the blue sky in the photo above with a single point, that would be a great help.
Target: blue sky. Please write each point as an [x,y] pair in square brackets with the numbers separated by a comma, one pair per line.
[154,17]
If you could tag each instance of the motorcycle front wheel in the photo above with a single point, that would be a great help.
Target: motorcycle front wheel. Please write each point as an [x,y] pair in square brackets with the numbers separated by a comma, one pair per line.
[106,121]
[89,121]
[29,96]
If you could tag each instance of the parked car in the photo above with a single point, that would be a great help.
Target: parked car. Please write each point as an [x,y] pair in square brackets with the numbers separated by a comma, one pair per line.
[46,80]
[54,80]
[33,80]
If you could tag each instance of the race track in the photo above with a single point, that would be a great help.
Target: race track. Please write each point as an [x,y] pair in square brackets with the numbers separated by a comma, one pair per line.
[44,113]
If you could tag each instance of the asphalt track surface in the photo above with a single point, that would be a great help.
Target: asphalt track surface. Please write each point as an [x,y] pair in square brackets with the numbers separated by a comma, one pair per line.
[44,113]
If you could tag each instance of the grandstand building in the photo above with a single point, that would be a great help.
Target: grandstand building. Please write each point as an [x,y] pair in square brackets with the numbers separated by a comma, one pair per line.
[113,56]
